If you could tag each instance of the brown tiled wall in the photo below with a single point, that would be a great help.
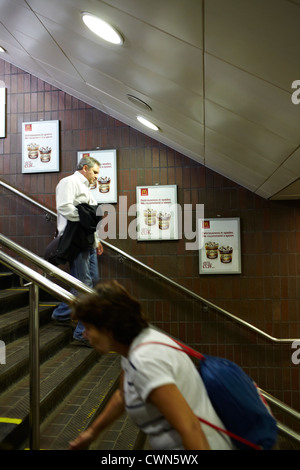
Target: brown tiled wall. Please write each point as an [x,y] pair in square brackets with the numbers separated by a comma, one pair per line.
[266,294]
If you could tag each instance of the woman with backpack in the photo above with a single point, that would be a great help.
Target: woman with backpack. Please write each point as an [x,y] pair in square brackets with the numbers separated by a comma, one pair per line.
[160,387]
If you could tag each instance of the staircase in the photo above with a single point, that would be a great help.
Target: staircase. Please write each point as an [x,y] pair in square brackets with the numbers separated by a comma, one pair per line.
[75,381]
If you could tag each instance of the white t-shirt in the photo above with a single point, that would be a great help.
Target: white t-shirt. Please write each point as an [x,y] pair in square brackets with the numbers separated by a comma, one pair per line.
[151,366]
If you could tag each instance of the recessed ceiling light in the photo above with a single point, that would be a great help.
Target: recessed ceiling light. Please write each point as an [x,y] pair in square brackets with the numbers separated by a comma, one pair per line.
[147,123]
[2,49]
[102,29]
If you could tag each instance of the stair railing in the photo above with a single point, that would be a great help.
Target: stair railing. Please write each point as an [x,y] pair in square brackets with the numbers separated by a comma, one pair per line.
[36,281]
[72,282]
[44,265]
[49,213]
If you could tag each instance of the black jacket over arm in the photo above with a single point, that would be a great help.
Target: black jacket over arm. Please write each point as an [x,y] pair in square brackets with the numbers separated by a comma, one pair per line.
[77,236]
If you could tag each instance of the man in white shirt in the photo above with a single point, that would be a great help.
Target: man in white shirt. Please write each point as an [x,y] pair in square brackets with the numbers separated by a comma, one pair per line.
[70,192]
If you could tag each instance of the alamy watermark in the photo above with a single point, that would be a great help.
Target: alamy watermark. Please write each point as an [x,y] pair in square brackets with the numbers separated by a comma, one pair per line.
[296,94]
[126,222]
[2,353]
[296,353]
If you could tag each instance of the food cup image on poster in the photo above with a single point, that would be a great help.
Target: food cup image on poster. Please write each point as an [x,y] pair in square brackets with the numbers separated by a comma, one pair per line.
[40,147]
[157,212]
[219,251]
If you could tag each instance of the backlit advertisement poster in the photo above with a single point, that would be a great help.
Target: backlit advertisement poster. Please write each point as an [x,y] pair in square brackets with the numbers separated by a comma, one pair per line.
[2,111]
[220,251]
[40,146]
[105,188]
[157,212]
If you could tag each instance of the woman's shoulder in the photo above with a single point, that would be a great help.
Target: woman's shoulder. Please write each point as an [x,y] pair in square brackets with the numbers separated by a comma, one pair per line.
[150,336]
[152,344]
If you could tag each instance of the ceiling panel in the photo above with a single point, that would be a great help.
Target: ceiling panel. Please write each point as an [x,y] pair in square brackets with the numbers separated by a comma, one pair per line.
[290,192]
[252,98]
[233,169]
[168,16]
[247,134]
[239,154]
[276,182]
[217,75]
[259,36]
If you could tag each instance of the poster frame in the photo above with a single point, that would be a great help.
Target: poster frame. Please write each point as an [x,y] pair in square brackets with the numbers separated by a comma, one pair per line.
[2,112]
[169,232]
[213,264]
[46,127]
[110,197]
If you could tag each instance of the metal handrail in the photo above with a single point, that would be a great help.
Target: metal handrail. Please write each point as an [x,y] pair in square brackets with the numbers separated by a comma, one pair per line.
[27,198]
[64,295]
[32,276]
[179,287]
[37,281]
[78,285]
[274,401]
[45,265]
[201,299]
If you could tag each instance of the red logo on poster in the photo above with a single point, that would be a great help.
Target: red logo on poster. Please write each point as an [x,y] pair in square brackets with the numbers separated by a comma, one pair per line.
[144,192]
[28,127]
[206,224]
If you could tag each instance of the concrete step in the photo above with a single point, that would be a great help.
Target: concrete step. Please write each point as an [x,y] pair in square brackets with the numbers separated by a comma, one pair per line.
[58,375]
[83,404]
[15,323]
[13,298]
[7,279]
[52,338]
[75,382]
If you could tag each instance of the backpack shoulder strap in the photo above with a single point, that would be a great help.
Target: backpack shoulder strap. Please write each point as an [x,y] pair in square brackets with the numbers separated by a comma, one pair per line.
[182,348]
[197,355]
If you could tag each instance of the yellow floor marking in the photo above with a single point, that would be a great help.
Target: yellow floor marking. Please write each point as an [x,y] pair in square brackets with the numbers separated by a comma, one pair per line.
[48,305]
[10,421]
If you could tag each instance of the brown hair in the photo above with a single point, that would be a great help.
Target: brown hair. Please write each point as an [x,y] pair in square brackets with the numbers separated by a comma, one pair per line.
[112,308]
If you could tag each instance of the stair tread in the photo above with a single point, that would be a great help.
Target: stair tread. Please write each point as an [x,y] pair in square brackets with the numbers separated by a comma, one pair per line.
[82,404]
[12,291]
[13,298]
[65,360]
[54,374]
[52,338]
[18,350]
[17,315]
[8,279]
[75,382]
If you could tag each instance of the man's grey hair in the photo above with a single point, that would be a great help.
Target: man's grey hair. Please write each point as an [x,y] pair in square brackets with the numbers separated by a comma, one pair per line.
[89,161]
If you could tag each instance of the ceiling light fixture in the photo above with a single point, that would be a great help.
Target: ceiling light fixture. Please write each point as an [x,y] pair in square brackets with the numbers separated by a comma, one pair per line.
[138,102]
[102,29]
[147,123]
[2,49]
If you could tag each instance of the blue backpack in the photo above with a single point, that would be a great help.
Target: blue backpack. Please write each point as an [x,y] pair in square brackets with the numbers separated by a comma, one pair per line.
[237,401]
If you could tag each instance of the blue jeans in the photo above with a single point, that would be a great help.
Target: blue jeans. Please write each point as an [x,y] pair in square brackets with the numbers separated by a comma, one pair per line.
[85,268]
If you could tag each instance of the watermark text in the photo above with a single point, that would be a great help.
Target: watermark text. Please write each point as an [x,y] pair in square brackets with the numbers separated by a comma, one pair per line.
[2,353]
[126,223]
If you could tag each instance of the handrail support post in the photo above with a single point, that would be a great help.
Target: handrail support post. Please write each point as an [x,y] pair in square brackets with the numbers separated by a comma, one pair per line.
[34,368]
